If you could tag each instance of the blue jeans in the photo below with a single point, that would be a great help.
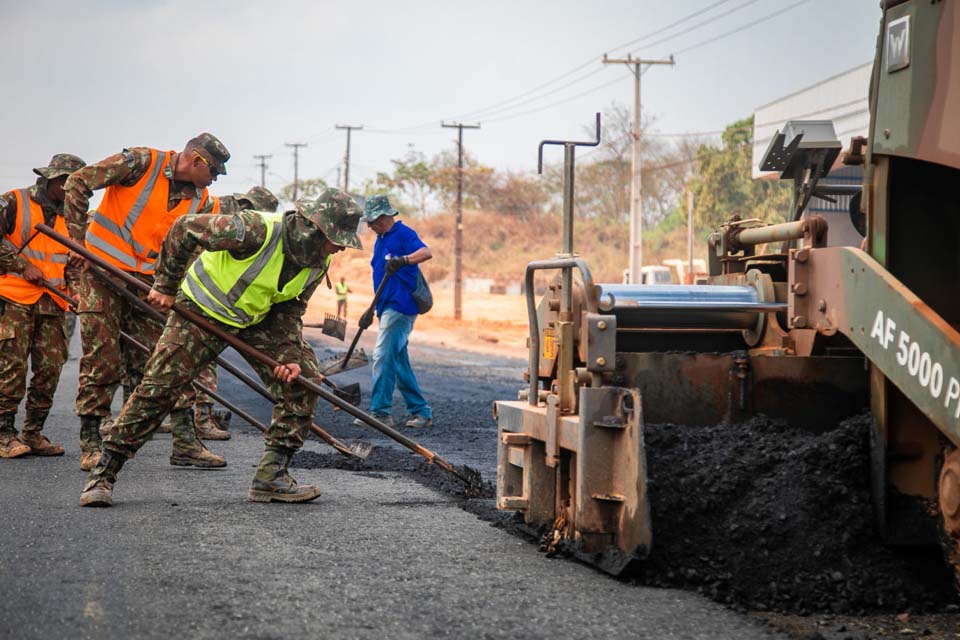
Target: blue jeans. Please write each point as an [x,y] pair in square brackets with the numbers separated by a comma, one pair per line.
[391,367]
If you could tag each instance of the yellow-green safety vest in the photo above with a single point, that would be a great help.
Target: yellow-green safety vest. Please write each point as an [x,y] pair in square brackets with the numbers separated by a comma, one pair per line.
[341,291]
[240,293]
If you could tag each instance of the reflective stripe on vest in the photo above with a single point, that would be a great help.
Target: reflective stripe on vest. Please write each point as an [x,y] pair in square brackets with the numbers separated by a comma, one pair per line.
[230,306]
[225,302]
[125,232]
[47,255]
[112,228]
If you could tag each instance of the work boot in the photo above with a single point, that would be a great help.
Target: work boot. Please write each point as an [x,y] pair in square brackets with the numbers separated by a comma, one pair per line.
[89,441]
[272,483]
[39,444]
[382,417]
[98,492]
[222,418]
[417,421]
[207,427]
[10,445]
[188,451]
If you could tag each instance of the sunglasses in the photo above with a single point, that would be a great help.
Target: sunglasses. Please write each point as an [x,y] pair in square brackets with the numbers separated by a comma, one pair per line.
[213,170]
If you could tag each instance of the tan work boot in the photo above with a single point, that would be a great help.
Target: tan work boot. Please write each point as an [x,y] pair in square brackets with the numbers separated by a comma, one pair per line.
[207,428]
[40,445]
[10,445]
[89,459]
[272,483]
[89,441]
[222,418]
[188,451]
[98,492]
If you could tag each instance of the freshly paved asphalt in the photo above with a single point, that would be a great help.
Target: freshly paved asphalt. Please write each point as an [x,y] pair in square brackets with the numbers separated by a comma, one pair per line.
[377,556]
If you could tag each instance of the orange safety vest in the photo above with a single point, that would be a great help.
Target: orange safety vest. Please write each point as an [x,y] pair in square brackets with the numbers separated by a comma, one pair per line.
[130,224]
[43,252]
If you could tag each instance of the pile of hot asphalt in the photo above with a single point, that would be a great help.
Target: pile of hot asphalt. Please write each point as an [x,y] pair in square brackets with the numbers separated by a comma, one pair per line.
[757,515]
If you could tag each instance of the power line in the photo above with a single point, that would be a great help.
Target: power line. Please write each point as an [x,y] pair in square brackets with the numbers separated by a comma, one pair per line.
[689,16]
[554,104]
[495,106]
[701,24]
[769,16]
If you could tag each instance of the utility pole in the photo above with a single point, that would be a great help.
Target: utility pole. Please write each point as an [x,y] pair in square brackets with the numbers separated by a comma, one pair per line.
[690,271]
[263,168]
[636,185]
[296,165]
[458,231]
[346,158]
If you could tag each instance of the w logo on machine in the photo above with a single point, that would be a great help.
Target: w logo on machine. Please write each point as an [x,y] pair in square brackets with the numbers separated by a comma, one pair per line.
[898,44]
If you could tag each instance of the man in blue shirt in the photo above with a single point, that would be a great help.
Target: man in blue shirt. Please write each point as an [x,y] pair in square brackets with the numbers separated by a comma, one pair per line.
[397,252]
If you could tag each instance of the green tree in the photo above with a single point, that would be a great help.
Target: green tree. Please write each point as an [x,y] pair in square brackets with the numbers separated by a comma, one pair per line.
[723,184]
[477,180]
[413,177]
[603,174]
[310,188]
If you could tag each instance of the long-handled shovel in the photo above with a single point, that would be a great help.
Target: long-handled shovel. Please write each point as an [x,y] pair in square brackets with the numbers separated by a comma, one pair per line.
[145,349]
[368,312]
[471,477]
[207,390]
[350,392]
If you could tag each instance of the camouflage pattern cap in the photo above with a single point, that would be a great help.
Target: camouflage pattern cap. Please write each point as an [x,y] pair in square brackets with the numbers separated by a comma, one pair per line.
[337,215]
[260,198]
[61,164]
[378,206]
[213,148]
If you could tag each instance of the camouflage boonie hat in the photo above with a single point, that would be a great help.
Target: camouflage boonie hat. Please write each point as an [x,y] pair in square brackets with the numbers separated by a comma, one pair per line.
[61,164]
[260,197]
[378,206]
[212,146]
[337,215]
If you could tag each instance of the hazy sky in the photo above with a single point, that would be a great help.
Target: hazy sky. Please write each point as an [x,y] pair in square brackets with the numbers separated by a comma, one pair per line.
[93,77]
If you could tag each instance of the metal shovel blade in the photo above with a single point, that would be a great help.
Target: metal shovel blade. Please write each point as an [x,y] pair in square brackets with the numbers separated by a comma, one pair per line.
[334,326]
[473,481]
[330,366]
[361,449]
[350,393]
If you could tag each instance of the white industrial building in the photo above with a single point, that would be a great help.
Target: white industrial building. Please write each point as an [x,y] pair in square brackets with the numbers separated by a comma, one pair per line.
[841,98]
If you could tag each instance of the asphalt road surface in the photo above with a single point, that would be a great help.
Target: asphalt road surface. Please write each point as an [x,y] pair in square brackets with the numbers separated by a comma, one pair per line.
[377,556]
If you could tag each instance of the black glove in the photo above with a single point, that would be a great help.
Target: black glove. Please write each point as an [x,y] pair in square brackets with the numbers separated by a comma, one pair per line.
[366,319]
[395,263]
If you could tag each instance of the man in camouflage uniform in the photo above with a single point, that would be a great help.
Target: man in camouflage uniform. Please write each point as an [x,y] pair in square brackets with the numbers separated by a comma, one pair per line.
[31,320]
[146,189]
[275,257]
[256,199]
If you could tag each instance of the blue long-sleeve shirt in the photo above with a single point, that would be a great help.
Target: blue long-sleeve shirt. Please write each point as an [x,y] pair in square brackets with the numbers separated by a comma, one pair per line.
[400,240]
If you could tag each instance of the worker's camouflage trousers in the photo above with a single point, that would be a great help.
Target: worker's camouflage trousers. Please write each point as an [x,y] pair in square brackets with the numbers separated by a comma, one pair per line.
[36,332]
[208,378]
[182,353]
[107,360]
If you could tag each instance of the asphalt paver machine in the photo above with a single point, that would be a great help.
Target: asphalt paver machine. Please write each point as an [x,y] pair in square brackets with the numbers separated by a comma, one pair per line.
[800,329]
